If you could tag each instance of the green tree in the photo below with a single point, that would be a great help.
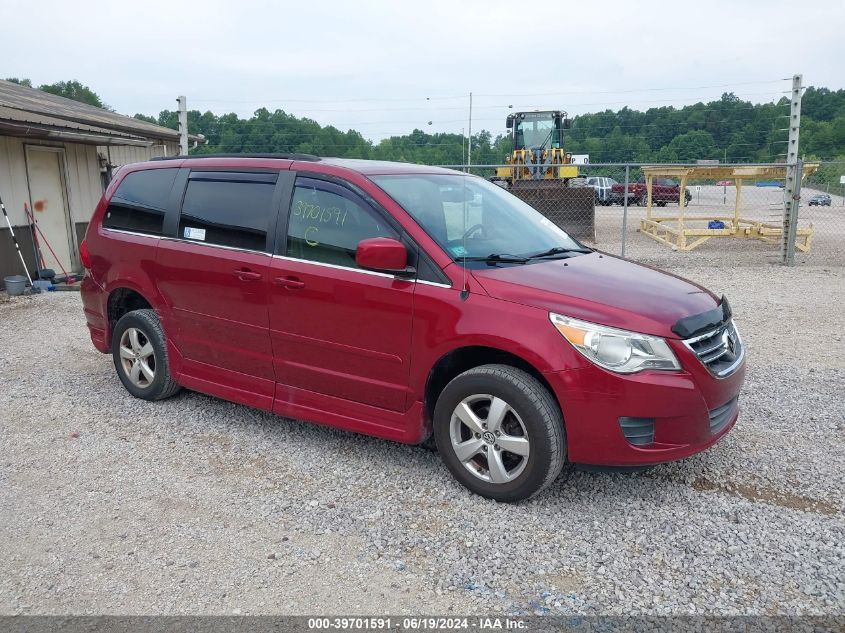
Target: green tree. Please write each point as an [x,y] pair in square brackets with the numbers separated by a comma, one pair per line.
[691,146]
[21,82]
[76,91]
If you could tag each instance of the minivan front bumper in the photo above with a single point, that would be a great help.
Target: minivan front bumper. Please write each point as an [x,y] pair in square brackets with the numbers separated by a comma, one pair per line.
[645,418]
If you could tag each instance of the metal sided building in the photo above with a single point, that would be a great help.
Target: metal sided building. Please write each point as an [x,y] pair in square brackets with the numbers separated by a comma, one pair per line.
[56,156]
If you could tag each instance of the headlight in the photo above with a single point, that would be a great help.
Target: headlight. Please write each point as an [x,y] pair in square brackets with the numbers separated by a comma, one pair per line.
[617,350]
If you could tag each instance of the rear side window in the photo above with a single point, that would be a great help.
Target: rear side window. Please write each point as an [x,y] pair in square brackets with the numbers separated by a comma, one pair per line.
[140,202]
[229,212]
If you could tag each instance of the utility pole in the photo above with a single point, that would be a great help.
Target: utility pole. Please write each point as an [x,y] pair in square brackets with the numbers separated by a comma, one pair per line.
[794,173]
[183,125]
[469,138]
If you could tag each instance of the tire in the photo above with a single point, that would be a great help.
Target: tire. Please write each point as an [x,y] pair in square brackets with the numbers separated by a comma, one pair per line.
[531,423]
[138,348]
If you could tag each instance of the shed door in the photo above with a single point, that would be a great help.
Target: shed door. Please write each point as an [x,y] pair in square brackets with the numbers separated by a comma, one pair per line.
[45,168]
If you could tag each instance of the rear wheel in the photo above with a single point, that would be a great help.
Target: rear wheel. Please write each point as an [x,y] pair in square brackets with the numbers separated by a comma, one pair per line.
[500,432]
[140,356]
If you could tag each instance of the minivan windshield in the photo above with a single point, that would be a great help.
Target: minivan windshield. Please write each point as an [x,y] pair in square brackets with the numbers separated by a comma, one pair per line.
[473,219]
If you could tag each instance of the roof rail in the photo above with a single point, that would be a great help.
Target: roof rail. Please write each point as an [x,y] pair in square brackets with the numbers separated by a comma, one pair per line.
[293,156]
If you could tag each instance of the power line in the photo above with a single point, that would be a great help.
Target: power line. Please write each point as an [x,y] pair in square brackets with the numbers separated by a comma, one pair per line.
[298,121]
[503,106]
[488,95]
[635,90]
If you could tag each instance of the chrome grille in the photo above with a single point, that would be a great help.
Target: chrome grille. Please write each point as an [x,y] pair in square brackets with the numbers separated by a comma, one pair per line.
[720,350]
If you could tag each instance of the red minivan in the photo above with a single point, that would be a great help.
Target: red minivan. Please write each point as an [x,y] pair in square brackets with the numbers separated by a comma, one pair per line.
[403,301]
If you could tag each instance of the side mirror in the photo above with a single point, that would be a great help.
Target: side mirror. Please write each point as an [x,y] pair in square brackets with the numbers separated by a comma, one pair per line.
[383,254]
[567,123]
[509,122]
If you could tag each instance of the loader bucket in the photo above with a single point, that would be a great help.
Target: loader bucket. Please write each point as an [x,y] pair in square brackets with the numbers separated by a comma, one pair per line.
[571,208]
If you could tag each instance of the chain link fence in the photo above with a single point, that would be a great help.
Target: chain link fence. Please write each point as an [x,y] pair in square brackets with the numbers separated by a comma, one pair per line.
[727,220]
[823,207]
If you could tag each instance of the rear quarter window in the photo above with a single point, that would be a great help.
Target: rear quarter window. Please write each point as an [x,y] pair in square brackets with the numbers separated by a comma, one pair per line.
[140,202]
[229,212]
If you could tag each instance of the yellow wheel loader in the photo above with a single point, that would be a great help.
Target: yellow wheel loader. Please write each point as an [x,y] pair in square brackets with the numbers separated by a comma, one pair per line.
[540,172]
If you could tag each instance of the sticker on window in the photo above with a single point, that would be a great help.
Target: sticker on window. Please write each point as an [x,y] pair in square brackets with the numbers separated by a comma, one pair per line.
[458,251]
[194,234]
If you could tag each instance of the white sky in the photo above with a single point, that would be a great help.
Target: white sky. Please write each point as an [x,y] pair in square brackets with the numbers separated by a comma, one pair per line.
[372,65]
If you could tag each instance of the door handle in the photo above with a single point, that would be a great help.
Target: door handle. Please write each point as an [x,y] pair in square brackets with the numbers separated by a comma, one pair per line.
[289,282]
[247,275]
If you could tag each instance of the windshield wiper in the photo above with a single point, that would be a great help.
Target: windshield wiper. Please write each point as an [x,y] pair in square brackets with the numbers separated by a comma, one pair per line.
[557,250]
[496,258]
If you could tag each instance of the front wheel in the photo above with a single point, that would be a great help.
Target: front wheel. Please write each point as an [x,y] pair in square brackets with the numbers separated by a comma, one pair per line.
[500,432]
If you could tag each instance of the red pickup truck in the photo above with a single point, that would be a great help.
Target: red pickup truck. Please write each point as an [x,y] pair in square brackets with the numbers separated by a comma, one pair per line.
[663,191]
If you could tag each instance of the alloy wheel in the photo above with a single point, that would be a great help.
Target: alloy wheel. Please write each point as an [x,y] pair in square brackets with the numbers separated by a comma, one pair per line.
[137,357]
[489,438]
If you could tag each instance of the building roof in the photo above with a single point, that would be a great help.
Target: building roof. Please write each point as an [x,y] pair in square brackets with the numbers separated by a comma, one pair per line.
[34,113]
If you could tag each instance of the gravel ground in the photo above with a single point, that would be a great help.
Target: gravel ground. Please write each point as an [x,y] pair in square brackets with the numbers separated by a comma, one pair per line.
[193,505]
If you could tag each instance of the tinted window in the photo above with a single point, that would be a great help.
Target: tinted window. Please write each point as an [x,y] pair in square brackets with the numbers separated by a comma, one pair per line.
[228,212]
[140,202]
[326,223]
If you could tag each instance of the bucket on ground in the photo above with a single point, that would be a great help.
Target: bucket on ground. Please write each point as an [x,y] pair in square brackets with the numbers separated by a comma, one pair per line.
[15,284]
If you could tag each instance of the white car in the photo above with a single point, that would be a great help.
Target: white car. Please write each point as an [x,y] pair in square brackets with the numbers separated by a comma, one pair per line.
[602,185]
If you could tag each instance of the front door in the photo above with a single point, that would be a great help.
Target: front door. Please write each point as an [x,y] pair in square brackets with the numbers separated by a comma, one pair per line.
[45,172]
[214,279]
[337,329]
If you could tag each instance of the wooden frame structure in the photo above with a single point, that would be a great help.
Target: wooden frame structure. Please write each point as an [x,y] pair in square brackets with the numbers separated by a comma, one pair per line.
[684,233]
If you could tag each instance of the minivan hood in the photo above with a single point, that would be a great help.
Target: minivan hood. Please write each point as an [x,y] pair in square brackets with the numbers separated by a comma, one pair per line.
[601,289]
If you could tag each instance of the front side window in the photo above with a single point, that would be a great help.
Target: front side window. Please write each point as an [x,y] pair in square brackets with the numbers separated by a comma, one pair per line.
[470,217]
[327,222]
[228,212]
[140,202]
